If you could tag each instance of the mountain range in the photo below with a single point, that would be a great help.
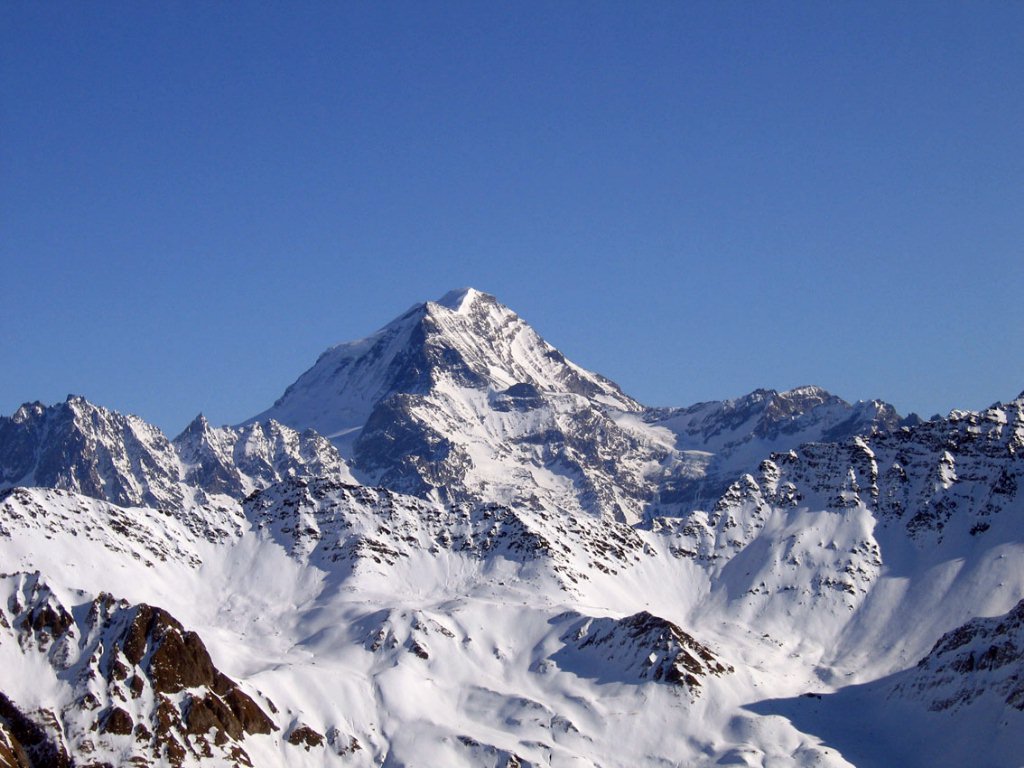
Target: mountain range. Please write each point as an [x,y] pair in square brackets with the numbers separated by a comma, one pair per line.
[446,544]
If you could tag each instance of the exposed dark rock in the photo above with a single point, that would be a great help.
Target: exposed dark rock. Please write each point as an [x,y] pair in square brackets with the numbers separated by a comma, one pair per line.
[303,735]
[123,651]
[12,754]
[638,648]
[28,738]
[117,721]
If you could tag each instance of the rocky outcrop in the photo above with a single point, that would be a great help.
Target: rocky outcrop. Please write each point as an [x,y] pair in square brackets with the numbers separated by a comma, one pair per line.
[132,671]
[340,525]
[638,648]
[304,736]
[983,658]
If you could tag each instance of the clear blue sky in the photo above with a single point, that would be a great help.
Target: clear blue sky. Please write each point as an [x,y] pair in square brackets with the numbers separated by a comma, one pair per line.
[694,199]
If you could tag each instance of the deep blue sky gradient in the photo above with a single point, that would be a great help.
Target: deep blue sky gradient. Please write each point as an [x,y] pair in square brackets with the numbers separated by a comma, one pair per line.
[694,199]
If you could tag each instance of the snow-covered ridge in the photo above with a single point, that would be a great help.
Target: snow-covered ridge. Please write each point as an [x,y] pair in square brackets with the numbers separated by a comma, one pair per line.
[142,534]
[90,450]
[460,399]
[343,527]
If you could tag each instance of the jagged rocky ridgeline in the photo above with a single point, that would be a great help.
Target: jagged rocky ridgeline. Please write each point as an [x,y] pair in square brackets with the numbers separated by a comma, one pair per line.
[457,400]
[447,544]
[87,449]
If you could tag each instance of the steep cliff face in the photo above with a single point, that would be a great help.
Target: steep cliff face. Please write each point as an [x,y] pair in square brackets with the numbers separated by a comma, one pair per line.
[92,451]
[79,447]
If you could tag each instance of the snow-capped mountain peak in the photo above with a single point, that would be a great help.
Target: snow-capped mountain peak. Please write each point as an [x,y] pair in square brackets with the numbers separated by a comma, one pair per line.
[460,299]
[466,337]
[525,567]
[461,395]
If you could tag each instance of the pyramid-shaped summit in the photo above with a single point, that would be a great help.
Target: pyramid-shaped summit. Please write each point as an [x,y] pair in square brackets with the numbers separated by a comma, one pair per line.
[461,399]
[462,392]
[466,338]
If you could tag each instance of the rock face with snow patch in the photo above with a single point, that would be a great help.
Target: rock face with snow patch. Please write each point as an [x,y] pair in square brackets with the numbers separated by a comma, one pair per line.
[135,685]
[983,658]
[238,461]
[26,742]
[638,648]
[79,447]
